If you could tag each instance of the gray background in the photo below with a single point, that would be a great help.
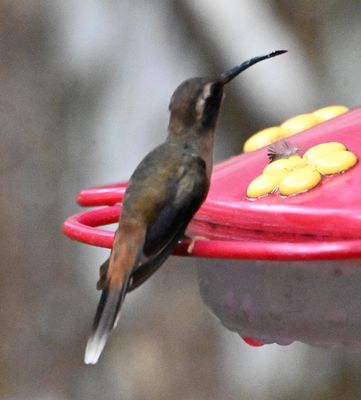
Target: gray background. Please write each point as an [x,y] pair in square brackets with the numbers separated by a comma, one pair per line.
[84,90]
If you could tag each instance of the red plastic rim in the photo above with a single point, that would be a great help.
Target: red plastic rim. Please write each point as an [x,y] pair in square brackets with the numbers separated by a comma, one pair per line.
[83,227]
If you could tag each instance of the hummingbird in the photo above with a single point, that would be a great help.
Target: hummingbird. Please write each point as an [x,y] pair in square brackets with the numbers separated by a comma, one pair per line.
[163,194]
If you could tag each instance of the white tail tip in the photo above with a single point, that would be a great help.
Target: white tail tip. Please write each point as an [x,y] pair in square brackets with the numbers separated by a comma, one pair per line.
[94,348]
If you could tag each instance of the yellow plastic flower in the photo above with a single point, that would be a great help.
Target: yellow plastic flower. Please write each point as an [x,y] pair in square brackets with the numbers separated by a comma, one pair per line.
[297,174]
[292,126]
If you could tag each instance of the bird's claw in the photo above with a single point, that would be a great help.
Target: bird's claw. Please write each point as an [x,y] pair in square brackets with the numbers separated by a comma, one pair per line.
[193,241]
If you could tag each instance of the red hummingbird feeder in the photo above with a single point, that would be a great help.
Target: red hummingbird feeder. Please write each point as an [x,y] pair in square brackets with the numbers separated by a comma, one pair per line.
[281,265]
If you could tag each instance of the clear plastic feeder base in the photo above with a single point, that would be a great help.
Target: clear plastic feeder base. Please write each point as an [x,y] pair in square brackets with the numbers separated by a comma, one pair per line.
[318,303]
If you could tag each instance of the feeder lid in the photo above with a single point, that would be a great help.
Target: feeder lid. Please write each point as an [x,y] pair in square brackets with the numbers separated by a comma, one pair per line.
[322,221]
[329,211]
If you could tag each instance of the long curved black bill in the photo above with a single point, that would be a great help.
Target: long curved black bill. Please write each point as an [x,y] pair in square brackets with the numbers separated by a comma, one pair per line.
[232,73]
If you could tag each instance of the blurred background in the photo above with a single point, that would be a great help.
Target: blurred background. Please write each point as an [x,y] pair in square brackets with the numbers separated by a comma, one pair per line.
[84,90]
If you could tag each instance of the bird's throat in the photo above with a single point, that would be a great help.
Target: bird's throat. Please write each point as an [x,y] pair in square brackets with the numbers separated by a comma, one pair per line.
[200,141]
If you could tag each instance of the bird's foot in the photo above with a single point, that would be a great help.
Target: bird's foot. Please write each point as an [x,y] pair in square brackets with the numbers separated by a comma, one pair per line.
[193,240]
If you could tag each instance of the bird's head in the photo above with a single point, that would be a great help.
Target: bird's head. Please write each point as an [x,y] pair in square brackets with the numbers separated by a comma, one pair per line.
[196,102]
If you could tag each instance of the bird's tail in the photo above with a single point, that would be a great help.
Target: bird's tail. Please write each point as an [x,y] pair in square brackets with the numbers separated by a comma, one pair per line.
[105,319]
[122,260]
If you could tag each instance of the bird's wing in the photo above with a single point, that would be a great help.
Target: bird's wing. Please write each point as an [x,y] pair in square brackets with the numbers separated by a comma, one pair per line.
[185,195]
[172,222]
[188,193]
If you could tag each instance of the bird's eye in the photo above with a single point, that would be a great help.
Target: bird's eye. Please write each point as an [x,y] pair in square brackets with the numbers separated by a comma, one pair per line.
[216,90]
[212,91]
[208,102]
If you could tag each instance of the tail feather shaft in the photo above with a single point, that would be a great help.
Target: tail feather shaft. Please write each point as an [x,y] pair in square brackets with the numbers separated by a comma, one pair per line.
[105,319]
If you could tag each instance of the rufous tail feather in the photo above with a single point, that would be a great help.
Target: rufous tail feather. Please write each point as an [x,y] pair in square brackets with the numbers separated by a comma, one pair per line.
[123,259]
